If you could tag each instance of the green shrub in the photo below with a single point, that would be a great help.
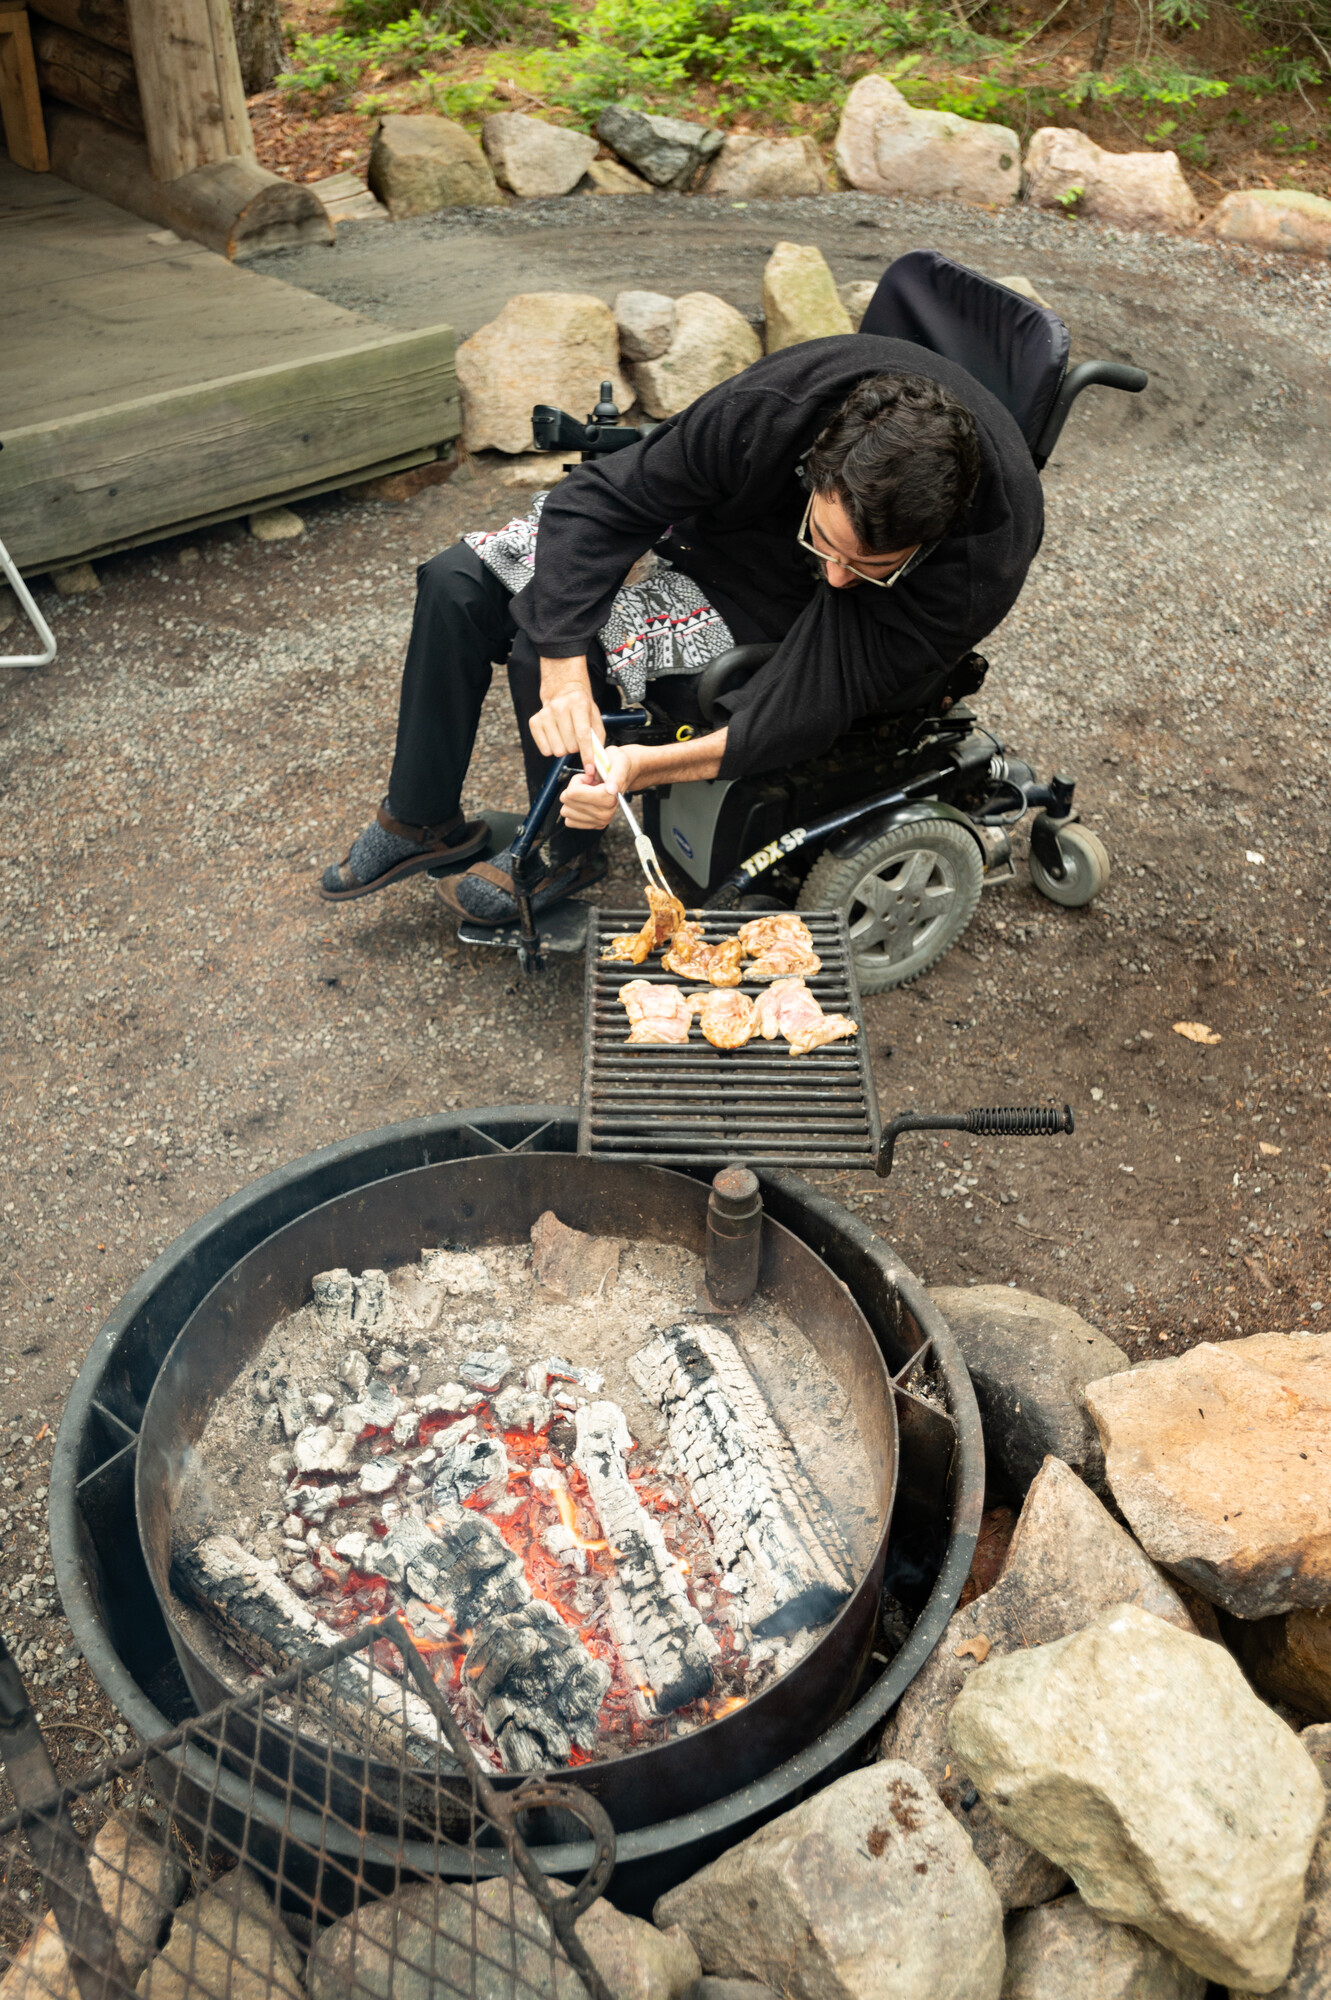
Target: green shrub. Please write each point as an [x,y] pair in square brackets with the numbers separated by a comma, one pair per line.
[332,65]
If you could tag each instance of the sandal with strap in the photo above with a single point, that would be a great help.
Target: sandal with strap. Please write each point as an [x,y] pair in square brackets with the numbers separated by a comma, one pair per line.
[485,894]
[379,852]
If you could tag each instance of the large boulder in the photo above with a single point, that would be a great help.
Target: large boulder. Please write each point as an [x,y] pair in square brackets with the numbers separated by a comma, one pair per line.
[1138,1758]
[533,159]
[227,1943]
[712,342]
[636,1960]
[884,146]
[437,1938]
[1274,219]
[1068,1562]
[1065,169]
[545,347]
[752,167]
[800,299]
[867,1891]
[1309,1977]
[1064,1949]
[646,322]
[137,1882]
[1221,1461]
[422,163]
[666,151]
[1030,1360]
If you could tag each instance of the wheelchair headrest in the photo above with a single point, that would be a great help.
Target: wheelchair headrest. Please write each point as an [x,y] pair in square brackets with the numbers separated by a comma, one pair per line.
[1018,350]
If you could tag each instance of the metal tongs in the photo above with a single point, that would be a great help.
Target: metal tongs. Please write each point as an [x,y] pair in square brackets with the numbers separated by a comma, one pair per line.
[647,855]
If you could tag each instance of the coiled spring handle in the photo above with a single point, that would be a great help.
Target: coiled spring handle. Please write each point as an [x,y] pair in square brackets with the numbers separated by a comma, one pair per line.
[1015,1121]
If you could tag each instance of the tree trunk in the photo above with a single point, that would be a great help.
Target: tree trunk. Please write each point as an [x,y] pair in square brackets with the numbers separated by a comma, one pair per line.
[1102,37]
[259,42]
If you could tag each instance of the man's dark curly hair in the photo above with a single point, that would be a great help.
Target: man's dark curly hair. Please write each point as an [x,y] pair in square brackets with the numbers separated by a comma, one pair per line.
[903,458]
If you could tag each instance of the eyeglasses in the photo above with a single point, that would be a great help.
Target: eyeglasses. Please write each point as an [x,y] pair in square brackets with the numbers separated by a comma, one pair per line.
[879,582]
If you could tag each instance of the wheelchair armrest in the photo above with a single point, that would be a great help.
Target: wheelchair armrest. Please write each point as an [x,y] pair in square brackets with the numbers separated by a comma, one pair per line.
[727,671]
[1109,374]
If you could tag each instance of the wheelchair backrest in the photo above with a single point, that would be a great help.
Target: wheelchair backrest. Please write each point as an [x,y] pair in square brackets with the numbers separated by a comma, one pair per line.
[1017,349]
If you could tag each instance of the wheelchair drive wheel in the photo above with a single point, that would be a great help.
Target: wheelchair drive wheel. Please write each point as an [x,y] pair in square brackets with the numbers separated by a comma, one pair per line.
[1085,867]
[907,897]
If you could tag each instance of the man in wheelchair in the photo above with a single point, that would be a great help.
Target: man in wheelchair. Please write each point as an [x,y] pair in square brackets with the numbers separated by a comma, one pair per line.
[862,502]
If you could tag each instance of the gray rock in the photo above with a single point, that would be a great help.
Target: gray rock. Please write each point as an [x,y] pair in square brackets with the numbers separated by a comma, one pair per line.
[646,322]
[1310,1974]
[667,151]
[712,342]
[855,297]
[1127,190]
[885,146]
[752,167]
[732,1989]
[637,1961]
[137,1884]
[417,1945]
[534,159]
[867,1891]
[1069,1561]
[226,1943]
[1030,1360]
[1138,1758]
[1064,1949]
[423,163]
[613,177]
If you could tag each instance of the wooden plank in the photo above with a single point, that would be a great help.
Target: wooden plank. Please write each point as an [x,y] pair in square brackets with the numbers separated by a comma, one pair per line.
[126,469]
[101,20]
[87,74]
[20,96]
[189,80]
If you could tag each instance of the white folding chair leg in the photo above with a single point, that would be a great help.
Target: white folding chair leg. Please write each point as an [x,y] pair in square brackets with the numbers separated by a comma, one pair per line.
[39,624]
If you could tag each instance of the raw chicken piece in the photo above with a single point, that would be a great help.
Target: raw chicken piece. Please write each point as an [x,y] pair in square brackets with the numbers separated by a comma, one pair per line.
[719,964]
[726,1018]
[665,915]
[781,927]
[788,1008]
[782,959]
[656,1013]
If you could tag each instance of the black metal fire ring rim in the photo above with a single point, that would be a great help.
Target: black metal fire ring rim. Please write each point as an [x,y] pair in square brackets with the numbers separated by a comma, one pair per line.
[851,1241]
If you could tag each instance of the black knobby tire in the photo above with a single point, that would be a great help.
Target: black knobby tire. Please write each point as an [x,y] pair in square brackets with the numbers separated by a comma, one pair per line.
[907,897]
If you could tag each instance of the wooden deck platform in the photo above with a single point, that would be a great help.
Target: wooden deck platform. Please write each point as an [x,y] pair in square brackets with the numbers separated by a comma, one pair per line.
[148,387]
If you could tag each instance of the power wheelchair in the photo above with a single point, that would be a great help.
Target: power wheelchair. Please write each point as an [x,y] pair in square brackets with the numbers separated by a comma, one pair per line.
[906,818]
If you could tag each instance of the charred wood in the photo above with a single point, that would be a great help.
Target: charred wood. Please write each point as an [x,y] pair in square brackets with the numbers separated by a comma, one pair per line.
[538,1688]
[660,1633]
[269,1627]
[778,1550]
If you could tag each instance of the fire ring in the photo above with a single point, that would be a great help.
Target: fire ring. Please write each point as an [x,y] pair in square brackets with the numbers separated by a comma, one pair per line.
[107,1588]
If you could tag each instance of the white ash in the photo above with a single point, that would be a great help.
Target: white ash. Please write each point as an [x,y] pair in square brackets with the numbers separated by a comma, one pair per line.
[485,1369]
[391,1362]
[320,1449]
[451,1400]
[456,1272]
[519,1409]
[355,1370]
[290,1406]
[380,1475]
[314,1503]
[306,1578]
[472,1465]
[321,1405]
[406,1428]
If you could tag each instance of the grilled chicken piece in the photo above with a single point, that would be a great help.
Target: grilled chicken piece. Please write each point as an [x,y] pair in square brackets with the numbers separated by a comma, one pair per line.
[656,1013]
[783,959]
[781,927]
[665,915]
[691,958]
[726,1018]
[788,1008]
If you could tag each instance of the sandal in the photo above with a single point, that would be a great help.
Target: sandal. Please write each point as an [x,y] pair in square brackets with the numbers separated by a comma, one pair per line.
[453,840]
[485,895]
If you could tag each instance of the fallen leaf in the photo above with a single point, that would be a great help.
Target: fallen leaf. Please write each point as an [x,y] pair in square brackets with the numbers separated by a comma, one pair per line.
[1272,1152]
[978,1648]
[1259,1273]
[1196,1031]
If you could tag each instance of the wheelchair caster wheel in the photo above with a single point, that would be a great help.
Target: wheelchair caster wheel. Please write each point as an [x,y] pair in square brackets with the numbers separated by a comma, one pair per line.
[907,897]
[1085,867]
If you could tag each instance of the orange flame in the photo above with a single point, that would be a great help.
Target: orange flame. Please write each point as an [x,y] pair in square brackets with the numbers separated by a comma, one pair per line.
[564,1502]
[729,1705]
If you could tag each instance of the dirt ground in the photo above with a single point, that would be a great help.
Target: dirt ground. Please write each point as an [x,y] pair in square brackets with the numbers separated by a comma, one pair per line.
[180,1012]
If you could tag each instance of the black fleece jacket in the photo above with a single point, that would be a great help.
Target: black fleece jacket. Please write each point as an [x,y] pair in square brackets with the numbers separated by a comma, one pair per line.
[716,490]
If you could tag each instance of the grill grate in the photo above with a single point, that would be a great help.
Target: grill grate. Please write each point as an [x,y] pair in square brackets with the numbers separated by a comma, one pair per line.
[693,1104]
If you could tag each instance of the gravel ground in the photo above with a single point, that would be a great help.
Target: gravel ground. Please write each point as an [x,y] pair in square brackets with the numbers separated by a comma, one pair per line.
[180,1012]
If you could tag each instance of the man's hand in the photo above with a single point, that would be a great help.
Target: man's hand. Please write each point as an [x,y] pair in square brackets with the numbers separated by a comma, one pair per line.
[568,721]
[590,805]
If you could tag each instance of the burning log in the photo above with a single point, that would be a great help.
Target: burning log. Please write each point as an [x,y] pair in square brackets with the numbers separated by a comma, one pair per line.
[538,1687]
[267,1624]
[665,1644]
[778,1550]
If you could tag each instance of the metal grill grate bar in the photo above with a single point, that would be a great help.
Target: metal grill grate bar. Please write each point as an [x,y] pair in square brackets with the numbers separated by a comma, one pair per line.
[676,1106]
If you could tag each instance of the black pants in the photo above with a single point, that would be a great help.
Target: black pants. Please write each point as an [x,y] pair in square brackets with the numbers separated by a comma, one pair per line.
[461,629]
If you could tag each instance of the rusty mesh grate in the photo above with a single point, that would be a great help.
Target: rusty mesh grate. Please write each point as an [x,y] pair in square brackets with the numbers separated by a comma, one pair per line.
[676,1106]
[270,1851]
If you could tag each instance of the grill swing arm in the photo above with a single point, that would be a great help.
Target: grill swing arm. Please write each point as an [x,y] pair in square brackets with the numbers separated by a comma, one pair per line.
[1014,1121]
